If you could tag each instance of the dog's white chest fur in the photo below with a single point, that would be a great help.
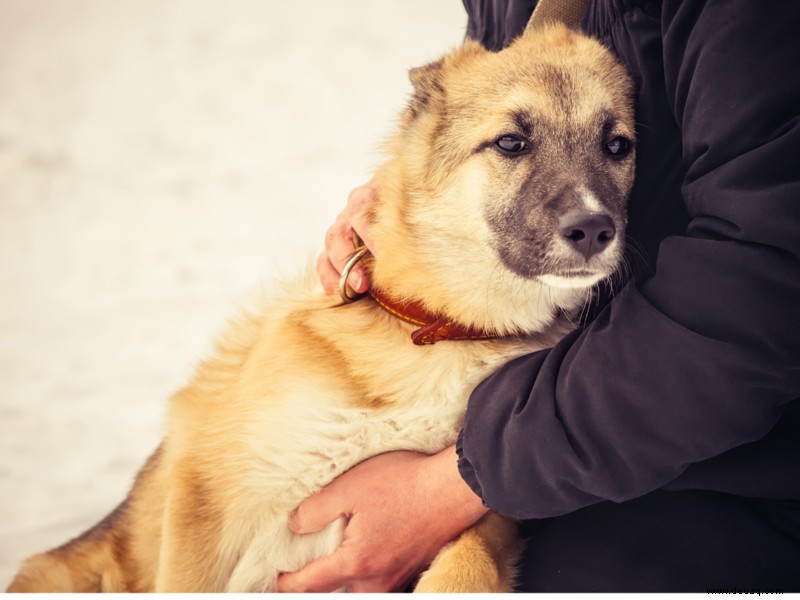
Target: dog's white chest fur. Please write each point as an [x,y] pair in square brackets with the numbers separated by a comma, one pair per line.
[369,394]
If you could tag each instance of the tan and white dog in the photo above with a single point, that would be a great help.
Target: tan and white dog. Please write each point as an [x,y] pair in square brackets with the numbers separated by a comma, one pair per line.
[501,204]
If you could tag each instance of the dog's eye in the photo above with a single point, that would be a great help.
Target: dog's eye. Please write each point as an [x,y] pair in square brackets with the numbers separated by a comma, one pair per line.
[618,147]
[511,145]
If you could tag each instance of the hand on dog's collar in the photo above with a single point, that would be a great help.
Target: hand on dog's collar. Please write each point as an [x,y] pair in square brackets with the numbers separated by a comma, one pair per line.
[433,328]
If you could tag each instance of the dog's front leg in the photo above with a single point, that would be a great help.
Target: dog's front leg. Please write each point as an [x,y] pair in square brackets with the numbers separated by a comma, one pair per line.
[482,559]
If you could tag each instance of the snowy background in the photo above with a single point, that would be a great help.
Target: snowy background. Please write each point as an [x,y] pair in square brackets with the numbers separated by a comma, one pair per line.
[160,160]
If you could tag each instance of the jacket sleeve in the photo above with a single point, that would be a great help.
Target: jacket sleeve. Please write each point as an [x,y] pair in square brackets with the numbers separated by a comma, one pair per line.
[705,355]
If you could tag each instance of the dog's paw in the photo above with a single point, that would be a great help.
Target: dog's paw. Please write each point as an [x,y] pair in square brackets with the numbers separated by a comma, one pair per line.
[459,568]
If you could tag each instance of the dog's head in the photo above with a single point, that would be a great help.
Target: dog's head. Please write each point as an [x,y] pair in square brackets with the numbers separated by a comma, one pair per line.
[504,198]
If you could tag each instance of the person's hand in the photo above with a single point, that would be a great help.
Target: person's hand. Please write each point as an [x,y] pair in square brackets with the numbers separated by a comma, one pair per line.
[403,507]
[339,240]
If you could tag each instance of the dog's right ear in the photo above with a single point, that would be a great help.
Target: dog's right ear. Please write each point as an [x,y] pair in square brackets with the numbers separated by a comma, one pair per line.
[427,85]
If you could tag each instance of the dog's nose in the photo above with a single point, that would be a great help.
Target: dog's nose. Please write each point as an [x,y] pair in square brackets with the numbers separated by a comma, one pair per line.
[588,233]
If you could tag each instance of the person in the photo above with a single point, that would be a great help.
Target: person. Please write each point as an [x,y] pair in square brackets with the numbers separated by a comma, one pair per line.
[658,447]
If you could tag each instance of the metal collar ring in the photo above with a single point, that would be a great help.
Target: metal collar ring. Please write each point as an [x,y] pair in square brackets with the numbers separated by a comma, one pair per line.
[344,289]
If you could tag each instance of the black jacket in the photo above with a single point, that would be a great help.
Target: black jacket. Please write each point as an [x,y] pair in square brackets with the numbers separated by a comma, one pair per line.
[689,377]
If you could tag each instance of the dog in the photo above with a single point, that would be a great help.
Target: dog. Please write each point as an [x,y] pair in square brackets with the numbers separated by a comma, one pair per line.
[502,203]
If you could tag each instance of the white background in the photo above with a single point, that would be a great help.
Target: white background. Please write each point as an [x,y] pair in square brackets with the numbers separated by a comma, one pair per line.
[160,160]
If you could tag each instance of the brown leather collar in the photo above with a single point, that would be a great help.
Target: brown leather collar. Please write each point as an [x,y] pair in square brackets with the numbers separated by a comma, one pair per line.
[433,328]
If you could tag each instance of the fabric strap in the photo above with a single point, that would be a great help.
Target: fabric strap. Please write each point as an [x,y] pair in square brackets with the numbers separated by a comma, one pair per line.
[569,12]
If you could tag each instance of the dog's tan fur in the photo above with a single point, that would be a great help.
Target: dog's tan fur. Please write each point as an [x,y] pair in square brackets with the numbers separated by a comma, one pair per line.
[306,388]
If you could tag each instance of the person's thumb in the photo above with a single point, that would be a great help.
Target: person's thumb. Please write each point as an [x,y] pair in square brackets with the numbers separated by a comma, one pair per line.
[317,512]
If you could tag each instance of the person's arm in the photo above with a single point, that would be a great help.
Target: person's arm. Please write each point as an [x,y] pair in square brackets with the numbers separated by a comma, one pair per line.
[704,356]
[402,508]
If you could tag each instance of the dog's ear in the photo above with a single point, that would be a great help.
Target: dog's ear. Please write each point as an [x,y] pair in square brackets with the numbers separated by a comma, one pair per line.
[428,79]
[427,85]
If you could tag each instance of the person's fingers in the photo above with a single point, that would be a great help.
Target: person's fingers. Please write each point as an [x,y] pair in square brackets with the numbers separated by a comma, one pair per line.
[376,586]
[339,247]
[335,571]
[358,213]
[328,275]
[326,574]
[373,586]
[341,240]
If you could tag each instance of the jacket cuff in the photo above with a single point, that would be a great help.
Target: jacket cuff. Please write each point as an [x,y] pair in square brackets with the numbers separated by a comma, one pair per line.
[466,470]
